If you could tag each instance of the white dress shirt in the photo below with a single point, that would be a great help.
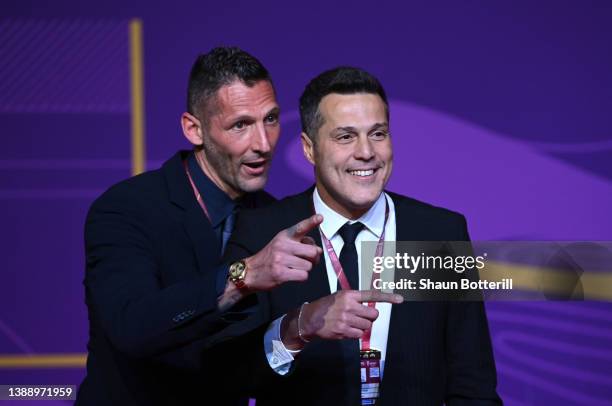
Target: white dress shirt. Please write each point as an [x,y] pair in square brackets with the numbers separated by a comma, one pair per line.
[279,357]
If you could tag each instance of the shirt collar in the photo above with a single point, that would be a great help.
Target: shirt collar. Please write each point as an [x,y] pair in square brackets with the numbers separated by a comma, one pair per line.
[373,219]
[218,204]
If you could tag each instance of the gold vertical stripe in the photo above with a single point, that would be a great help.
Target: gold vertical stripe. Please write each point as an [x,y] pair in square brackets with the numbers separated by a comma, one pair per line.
[43,361]
[137,96]
[138,158]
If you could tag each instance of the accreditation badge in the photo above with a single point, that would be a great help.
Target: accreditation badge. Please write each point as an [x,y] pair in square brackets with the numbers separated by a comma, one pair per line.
[370,376]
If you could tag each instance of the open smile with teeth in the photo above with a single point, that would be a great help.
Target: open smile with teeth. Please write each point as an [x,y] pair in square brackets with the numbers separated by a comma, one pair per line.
[362,173]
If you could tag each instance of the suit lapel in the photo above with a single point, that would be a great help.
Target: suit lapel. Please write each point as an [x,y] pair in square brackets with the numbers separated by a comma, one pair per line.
[206,245]
[405,230]
[349,348]
[317,285]
[195,223]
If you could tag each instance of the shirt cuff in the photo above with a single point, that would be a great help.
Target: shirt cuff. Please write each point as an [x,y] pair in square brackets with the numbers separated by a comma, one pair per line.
[279,357]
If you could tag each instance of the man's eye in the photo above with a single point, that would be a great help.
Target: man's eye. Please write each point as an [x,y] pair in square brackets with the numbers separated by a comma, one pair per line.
[240,125]
[344,137]
[379,135]
[271,118]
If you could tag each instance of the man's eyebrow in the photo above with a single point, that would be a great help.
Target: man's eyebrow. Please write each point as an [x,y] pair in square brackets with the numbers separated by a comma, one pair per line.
[249,118]
[241,117]
[347,129]
[379,126]
[274,110]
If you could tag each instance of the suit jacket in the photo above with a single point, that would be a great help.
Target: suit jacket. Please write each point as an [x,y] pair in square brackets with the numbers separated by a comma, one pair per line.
[436,352]
[151,258]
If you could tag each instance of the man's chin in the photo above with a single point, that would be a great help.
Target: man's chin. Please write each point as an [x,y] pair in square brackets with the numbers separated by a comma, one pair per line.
[253,184]
[365,199]
[363,205]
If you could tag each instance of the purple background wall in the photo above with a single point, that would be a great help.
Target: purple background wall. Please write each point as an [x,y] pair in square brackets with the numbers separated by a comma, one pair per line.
[499,110]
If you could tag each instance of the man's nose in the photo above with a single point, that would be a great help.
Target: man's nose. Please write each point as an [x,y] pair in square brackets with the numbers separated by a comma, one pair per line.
[364,149]
[260,141]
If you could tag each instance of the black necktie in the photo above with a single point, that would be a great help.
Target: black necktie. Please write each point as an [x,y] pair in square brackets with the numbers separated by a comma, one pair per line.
[228,227]
[348,255]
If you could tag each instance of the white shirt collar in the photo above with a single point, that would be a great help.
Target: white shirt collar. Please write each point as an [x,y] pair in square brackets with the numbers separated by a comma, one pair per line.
[373,219]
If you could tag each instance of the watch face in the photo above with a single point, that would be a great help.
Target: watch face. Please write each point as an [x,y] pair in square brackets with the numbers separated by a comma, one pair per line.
[237,270]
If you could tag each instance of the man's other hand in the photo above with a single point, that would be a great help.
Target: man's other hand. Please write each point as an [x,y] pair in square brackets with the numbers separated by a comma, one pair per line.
[334,317]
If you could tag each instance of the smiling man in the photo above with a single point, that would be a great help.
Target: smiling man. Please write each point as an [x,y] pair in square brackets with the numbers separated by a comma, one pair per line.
[421,353]
[351,169]
[156,291]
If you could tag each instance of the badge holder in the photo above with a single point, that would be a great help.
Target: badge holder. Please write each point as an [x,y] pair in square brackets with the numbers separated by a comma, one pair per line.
[370,376]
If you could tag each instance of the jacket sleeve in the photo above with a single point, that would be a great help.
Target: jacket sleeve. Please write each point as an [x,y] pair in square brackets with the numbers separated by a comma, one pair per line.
[124,294]
[243,243]
[471,374]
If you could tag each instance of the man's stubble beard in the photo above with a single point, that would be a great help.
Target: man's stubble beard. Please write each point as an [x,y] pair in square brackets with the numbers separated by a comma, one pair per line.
[224,170]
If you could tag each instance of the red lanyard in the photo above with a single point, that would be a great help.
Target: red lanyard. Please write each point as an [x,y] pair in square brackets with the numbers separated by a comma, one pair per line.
[197,194]
[344,283]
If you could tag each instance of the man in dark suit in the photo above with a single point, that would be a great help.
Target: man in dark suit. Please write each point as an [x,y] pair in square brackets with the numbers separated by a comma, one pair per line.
[428,353]
[156,292]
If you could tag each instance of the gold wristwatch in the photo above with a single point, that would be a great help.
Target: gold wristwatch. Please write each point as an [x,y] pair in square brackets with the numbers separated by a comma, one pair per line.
[237,273]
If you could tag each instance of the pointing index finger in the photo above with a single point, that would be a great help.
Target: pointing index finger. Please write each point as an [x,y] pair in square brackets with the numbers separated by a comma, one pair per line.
[378,296]
[299,231]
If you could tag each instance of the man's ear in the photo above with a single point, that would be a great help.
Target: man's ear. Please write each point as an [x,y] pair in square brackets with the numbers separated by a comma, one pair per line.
[308,148]
[192,128]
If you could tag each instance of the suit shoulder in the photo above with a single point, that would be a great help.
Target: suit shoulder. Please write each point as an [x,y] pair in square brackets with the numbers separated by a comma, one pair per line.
[276,210]
[270,219]
[404,202]
[133,192]
[438,223]
[263,198]
[254,228]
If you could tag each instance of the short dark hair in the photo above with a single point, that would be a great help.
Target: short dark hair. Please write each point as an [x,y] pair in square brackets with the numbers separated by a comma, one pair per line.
[342,80]
[221,66]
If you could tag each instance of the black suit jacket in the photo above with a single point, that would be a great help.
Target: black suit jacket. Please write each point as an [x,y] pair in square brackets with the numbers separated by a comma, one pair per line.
[437,352]
[151,258]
